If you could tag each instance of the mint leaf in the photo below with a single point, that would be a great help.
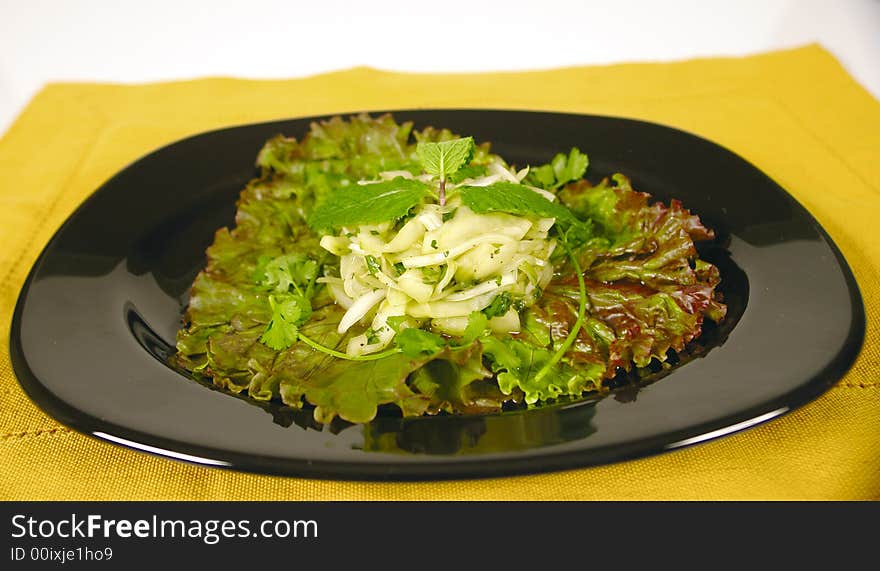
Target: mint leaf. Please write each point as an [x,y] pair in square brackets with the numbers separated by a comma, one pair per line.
[288,312]
[514,199]
[445,158]
[470,171]
[414,342]
[368,204]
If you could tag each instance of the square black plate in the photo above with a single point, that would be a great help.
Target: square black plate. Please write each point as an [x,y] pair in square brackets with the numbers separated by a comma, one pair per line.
[97,317]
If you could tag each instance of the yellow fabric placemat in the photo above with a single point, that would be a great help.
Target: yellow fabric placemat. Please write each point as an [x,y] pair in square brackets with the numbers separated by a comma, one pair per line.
[795,114]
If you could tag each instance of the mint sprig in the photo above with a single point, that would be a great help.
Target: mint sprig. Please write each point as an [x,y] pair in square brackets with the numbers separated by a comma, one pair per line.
[444,159]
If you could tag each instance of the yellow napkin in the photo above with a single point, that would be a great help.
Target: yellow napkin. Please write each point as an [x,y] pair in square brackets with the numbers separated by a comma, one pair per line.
[795,114]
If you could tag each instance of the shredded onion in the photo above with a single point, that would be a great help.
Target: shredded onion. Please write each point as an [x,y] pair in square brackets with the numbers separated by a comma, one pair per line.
[485,287]
[452,253]
[359,309]
[498,169]
[435,268]
[545,193]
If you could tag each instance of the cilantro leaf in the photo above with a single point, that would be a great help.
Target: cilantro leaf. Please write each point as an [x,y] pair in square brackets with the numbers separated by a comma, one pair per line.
[514,199]
[288,313]
[395,322]
[476,325]
[368,204]
[560,171]
[297,270]
[373,264]
[499,306]
[414,342]
[542,177]
[570,168]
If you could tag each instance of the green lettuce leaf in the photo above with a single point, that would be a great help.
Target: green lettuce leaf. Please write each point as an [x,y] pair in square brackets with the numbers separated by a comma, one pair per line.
[516,363]
[354,390]
[455,381]
[414,342]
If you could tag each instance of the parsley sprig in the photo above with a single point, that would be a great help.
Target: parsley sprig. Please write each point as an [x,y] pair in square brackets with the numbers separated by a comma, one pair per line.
[561,170]
[288,313]
[291,280]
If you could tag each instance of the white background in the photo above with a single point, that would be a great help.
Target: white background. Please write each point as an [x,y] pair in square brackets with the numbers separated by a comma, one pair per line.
[148,40]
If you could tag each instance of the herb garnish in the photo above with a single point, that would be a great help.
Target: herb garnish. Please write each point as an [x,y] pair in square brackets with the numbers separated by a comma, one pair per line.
[514,199]
[562,169]
[288,313]
[368,204]
[445,158]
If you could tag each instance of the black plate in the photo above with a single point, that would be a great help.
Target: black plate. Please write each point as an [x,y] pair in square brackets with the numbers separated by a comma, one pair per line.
[98,314]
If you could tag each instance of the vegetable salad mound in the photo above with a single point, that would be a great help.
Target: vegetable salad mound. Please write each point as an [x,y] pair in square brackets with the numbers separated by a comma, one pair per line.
[373,265]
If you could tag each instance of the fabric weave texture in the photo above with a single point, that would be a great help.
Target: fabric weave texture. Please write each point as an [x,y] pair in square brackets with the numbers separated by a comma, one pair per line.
[796,114]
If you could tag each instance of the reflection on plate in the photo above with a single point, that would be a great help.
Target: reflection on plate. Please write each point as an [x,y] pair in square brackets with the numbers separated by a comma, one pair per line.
[96,320]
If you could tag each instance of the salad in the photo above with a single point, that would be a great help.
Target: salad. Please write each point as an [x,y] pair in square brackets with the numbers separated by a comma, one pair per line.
[372,265]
